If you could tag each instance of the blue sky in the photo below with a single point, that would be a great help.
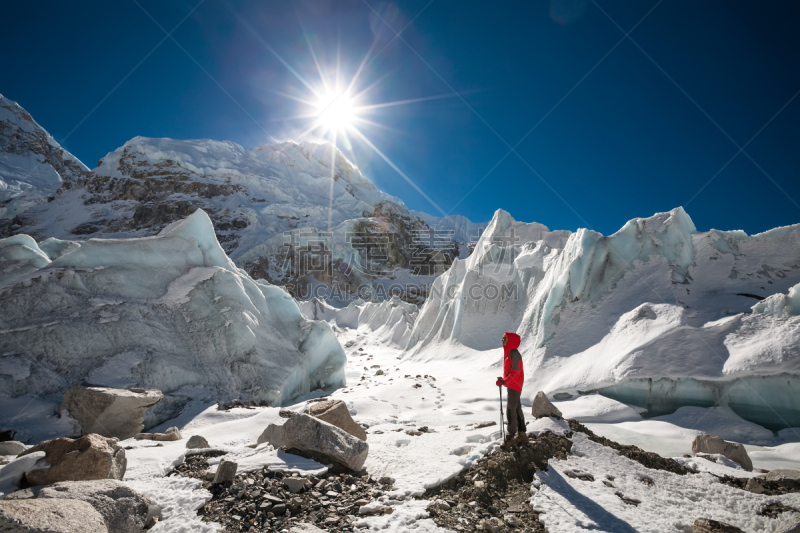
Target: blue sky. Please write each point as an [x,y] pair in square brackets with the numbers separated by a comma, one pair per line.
[617,127]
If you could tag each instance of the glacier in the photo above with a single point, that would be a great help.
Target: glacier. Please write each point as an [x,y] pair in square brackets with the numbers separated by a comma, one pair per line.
[657,315]
[170,312]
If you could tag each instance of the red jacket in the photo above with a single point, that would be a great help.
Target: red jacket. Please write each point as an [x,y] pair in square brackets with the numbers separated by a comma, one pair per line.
[512,363]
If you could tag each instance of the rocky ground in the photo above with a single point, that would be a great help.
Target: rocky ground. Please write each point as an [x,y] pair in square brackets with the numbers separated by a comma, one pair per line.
[270,501]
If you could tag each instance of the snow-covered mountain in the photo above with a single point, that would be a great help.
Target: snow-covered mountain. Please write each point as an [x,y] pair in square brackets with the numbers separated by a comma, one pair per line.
[658,315]
[299,215]
[32,164]
[170,312]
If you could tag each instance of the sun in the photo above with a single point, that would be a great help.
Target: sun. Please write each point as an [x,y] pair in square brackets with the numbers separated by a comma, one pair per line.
[337,110]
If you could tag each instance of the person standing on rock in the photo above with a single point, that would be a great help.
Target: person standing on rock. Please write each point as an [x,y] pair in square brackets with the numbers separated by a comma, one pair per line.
[512,379]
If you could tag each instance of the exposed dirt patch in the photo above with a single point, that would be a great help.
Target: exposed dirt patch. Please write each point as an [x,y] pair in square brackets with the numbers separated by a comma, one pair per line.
[647,459]
[496,489]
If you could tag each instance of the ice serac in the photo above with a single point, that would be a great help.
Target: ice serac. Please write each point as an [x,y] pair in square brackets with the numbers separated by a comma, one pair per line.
[32,164]
[170,312]
[657,315]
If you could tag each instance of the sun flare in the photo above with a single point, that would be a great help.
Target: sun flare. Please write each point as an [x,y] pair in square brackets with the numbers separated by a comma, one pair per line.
[336,110]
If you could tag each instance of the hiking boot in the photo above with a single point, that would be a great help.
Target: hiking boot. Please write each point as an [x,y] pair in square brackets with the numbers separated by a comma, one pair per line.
[508,443]
[522,437]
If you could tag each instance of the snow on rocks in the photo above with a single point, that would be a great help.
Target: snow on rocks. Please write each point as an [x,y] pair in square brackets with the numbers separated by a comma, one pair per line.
[734,451]
[309,434]
[87,458]
[169,312]
[123,509]
[47,515]
[109,412]
[542,407]
[335,412]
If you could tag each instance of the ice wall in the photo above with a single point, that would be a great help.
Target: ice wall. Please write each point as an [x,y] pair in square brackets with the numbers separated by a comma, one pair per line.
[388,322]
[656,300]
[170,312]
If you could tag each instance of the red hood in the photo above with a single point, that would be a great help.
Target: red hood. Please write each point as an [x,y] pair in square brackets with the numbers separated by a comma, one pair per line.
[513,342]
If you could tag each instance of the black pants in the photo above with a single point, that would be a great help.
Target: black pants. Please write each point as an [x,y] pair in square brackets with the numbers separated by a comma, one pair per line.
[516,421]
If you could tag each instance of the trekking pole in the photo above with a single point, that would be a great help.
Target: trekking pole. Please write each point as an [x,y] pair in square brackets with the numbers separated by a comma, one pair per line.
[502,428]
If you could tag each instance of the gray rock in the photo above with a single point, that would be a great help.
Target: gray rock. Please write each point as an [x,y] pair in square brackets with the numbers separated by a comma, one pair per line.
[307,433]
[543,407]
[11,447]
[790,525]
[732,450]
[272,435]
[49,516]
[87,458]
[335,412]
[787,479]
[123,509]
[278,509]
[109,412]
[226,472]
[754,486]
[305,527]
[294,484]
[197,441]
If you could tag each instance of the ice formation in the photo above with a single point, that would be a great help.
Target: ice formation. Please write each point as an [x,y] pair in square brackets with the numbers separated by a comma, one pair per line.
[657,315]
[170,312]
[388,322]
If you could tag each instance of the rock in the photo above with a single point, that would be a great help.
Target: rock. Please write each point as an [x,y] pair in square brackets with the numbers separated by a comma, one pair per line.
[787,479]
[278,509]
[706,525]
[294,484]
[109,412]
[49,516]
[87,458]
[493,525]
[11,447]
[171,434]
[732,450]
[335,412]
[310,434]
[197,442]
[123,509]
[272,435]
[754,485]
[486,424]
[226,472]
[305,527]
[790,525]
[543,407]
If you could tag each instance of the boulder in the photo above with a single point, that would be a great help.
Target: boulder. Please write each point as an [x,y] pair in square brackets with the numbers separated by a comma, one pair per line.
[786,479]
[171,434]
[790,525]
[123,509]
[109,412]
[196,441]
[49,516]
[310,434]
[89,457]
[226,472]
[272,435]
[732,450]
[542,407]
[335,412]
[706,525]
[11,447]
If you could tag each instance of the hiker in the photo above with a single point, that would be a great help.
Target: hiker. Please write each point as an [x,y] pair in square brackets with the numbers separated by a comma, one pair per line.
[512,379]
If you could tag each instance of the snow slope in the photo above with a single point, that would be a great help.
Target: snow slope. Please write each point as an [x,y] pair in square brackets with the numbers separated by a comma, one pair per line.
[657,300]
[32,164]
[170,312]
